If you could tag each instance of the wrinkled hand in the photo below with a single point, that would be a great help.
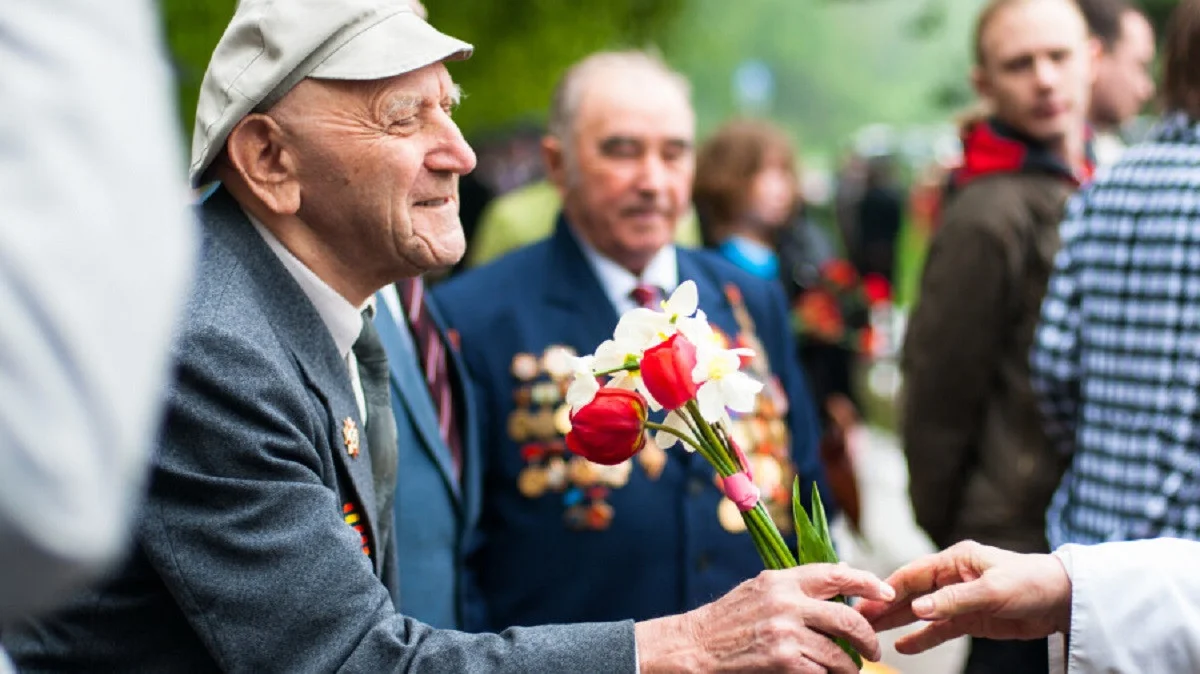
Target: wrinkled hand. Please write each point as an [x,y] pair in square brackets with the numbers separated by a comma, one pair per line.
[777,622]
[975,590]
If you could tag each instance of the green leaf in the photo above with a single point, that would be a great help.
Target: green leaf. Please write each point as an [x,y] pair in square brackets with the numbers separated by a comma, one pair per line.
[822,526]
[808,541]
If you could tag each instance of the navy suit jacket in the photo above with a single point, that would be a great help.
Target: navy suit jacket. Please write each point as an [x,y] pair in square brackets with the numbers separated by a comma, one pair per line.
[664,551]
[246,556]
[435,508]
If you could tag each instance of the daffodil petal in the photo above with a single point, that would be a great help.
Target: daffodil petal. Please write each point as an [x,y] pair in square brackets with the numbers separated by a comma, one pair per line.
[712,404]
[684,301]
[581,391]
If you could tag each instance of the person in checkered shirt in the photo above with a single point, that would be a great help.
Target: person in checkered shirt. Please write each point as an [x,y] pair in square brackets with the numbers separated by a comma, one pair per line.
[1116,359]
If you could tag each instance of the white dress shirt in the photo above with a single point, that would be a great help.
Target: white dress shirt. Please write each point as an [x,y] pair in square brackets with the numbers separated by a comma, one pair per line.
[342,319]
[618,282]
[1135,607]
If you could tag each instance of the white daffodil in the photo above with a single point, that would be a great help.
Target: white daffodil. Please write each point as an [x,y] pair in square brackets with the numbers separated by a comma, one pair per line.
[639,329]
[642,328]
[722,384]
[633,381]
[683,302]
[674,421]
[584,386]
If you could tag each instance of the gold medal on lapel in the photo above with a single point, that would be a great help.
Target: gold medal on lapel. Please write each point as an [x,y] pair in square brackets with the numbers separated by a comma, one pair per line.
[525,366]
[652,458]
[556,361]
[562,419]
[519,425]
[532,481]
[350,437]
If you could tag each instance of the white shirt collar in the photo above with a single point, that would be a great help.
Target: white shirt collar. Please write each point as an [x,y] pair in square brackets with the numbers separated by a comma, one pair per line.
[343,320]
[662,272]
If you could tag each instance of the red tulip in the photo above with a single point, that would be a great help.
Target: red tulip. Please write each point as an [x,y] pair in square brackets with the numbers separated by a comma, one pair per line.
[667,371]
[610,429]
[877,289]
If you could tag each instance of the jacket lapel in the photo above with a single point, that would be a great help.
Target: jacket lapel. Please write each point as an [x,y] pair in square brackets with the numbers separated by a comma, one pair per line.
[579,309]
[467,417]
[302,330]
[408,384]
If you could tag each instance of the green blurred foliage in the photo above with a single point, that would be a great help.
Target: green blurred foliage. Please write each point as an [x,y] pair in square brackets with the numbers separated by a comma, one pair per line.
[192,29]
[838,65]
[522,46]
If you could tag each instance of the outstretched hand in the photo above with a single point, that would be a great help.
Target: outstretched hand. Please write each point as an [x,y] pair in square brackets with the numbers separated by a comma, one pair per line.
[975,590]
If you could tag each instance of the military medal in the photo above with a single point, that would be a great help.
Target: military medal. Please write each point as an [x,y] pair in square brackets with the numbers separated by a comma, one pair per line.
[350,437]
[556,361]
[652,458]
[730,517]
[519,425]
[562,419]
[532,481]
[525,366]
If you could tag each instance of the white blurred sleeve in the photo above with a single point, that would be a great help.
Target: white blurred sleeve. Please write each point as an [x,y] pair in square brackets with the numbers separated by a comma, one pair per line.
[96,247]
[1135,606]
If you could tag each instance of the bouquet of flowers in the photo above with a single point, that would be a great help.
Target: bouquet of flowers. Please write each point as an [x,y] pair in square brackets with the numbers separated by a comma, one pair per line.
[673,360]
[839,308]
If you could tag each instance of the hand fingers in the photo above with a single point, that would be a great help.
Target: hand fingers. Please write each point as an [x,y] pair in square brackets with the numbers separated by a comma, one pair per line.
[823,652]
[838,620]
[956,600]
[885,616]
[933,634]
[825,581]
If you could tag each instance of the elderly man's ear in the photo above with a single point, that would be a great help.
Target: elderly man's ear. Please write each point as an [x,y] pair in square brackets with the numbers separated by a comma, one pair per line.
[258,154]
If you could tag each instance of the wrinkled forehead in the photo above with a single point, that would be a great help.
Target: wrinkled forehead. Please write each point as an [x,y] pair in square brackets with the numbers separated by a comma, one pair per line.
[1033,27]
[430,85]
[638,105]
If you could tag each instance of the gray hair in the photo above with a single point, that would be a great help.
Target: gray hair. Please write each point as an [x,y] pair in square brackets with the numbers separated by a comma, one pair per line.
[564,103]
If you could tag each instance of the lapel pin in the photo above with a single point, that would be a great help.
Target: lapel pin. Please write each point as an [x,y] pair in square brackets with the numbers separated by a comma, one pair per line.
[350,437]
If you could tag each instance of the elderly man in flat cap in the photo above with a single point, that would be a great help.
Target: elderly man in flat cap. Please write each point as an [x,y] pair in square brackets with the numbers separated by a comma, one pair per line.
[265,544]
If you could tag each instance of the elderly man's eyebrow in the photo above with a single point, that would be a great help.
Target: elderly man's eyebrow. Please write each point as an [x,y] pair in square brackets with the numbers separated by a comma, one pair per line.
[402,104]
[454,97]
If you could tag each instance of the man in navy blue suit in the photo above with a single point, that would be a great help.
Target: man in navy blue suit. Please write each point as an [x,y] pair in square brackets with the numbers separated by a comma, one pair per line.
[561,539]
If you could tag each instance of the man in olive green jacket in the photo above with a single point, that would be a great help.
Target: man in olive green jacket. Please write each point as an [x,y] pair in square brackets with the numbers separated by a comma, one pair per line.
[979,462]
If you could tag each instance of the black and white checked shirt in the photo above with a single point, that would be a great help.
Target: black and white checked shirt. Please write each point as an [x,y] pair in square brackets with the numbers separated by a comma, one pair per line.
[1116,360]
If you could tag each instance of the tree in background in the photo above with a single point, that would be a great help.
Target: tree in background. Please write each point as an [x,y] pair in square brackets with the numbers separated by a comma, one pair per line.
[522,46]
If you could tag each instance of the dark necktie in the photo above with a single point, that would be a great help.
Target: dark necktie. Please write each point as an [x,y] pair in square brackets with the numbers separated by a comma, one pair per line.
[434,364]
[381,425]
[647,296]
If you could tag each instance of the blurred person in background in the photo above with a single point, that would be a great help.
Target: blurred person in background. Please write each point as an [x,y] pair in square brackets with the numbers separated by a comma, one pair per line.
[96,247]
[562,539]
[1116,362]
[747,194]
[1123,83]
[980,464]
[880,215]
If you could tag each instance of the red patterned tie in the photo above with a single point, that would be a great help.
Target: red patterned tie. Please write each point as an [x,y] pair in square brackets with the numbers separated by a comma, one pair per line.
[434,364]
[647,296]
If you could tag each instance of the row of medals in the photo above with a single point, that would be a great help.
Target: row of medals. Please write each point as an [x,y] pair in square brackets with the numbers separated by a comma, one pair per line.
[541,419]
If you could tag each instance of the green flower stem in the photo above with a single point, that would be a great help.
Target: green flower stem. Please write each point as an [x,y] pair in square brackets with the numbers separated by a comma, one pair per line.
[624,368]
[679,434]
[759,522]
[724,465]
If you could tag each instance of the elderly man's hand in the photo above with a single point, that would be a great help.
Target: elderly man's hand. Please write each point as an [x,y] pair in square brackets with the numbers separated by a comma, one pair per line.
[975,590]
[777,622]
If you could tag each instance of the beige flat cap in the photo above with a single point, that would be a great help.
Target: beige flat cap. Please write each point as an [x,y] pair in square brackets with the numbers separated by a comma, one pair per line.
[270,45]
